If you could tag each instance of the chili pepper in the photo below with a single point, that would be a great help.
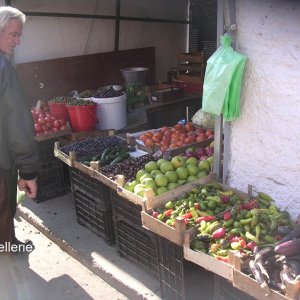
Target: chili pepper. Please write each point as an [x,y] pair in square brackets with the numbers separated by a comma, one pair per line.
[254,220]
[169,205]
[234,239]
[206,219]
[197,205]
[251,246]
[219,233]
[235,246]
[203,225]
[242,243]
[228,223]
[269,239]
[186,216]
[168,212]
[155,214]
[253,203]
[257,232]
[227,215]
[251,237]
[224,259]
[245,221]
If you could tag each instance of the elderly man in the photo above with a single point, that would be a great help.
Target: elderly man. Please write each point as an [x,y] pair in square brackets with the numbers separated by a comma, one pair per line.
[18,151]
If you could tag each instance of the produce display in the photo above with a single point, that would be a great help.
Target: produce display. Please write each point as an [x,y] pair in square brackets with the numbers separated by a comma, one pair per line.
[109,156]
[93,146]
[164,175]
[60,99]
[80,102]
[176,136]
[103,92]
[44,121]
[276,267]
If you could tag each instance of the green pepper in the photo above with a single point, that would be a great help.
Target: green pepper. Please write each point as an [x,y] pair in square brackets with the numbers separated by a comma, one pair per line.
[228,223]
[223,252]
[169,205]
[245,221]
[257,232]
[191,203]
[247,227]
[269,239]
[251,237]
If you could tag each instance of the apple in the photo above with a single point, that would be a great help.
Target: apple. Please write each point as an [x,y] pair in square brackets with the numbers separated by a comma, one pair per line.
[182,172]
[178,161]
[146,175]
[181,182]
[150,166]
[201,174]
[192,169]
[172,185]
[161,189]
[192,161]
[153,173]
[148,183]
[191,178]
[139,190]
[204,165]
[172,176]
[166,166]
[160,161]
[161,180]
[130,185]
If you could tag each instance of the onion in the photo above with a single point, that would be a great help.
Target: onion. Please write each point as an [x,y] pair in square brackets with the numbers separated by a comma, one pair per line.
[189,154]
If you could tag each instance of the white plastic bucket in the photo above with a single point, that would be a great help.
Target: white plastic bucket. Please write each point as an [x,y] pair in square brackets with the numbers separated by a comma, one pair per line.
[111,112]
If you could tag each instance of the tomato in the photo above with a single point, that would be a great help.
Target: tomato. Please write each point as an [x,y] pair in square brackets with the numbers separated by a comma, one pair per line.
[46,131]
[63,127]
[45,128]
[55,129]
[56,124]
[209,132]
[41,120]
[49,125]
[37,127]
[62,121]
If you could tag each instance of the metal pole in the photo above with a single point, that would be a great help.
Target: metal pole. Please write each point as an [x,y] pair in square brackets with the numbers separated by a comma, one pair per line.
[117,24]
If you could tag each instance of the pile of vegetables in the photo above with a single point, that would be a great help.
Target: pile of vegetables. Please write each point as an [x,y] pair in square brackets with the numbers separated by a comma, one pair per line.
[276,267]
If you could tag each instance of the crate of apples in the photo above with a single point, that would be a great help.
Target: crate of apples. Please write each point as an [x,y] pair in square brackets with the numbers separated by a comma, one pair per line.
[44,121]
[177,136]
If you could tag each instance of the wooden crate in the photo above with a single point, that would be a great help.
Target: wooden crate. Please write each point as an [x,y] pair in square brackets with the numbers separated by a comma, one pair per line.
[52,135]
[79,136]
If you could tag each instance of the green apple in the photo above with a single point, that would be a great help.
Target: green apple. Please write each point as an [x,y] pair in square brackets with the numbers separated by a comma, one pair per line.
[161,180]
[140,173]
[161,189]
[210,159]
[172,176]
[166,166]
[181,182]
[154,173]
[182,172]
[148,183]
[150,166]
[192,160]
[191,178]
[201,174]
[172,185]
[130,185]
[192,169]
[204,165]
[178,161]
[160,161]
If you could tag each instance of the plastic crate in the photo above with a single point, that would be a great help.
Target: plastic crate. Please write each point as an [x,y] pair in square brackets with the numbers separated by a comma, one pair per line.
[171,271]
[137,245]
[51,177]
[224,290]
[123,208]
[92,205]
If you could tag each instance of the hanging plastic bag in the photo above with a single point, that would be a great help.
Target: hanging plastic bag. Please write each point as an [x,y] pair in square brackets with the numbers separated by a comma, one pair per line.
[204,119]
[223,81]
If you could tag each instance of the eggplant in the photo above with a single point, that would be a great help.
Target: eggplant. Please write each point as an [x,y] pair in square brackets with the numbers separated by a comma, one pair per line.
[263,271]
[294,265]
[293,234]
[264,254]
[284,230]
[259,277]
[290,247]
[286,275]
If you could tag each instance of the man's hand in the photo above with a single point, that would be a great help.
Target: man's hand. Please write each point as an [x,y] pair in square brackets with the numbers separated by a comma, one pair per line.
[28,186]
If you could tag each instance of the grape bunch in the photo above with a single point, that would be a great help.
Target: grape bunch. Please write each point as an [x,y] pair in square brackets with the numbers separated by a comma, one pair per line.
[92,146]
[109,92]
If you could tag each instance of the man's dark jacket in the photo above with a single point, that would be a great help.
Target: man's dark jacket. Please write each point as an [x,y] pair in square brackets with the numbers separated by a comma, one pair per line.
[17,145]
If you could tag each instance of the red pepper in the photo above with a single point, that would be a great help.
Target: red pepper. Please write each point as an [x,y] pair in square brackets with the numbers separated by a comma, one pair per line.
[219,233]
[186,221]
[227,215]
[155,214]
[168,212]
[242,243]
[186,216]
[224,259]
[234,239]
[206,219]
[251,245]
[251,204]
[197,205]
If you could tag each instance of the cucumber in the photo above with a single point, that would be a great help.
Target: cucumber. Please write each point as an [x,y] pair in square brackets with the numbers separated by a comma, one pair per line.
[120,158]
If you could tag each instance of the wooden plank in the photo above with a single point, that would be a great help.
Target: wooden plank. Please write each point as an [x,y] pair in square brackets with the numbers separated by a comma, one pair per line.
[78,136]
[251,287]
[192,79]
[196,57]
[67,159]
[57,77]
[52,135]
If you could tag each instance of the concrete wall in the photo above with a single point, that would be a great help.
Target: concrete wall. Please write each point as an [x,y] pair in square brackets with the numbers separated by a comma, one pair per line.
[50,37]
[265,145]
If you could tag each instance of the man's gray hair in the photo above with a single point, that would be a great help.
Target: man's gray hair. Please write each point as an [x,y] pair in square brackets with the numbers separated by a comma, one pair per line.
[8,13]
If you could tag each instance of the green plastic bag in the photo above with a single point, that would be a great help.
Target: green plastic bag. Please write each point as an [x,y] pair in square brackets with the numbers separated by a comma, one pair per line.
[223,81]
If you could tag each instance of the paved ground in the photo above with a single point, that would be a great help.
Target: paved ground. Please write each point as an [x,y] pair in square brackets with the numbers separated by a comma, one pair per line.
[48,273]
[55,274]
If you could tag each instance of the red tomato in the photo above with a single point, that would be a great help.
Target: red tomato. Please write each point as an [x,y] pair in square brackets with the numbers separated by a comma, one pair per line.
[56,124]
[62,121]
[46,131]
[55,129]
[45,128]
[37,127]
[49,125]
[41,120]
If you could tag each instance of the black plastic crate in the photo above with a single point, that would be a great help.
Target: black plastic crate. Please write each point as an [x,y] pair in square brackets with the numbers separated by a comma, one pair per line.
[92,205]
[171,269]
[51,177]
[123,208]
[137,244]
[224,290]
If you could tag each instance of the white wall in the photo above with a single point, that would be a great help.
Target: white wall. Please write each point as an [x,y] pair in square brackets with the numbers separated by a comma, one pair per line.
[265,144]
[50,37]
